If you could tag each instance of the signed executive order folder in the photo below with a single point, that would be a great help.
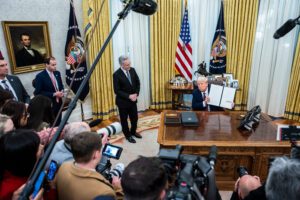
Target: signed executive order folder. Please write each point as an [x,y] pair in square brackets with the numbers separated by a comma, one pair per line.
[221,96]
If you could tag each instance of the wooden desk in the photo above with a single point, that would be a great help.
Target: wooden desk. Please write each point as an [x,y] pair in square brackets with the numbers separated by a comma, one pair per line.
[180,90]
[234,148]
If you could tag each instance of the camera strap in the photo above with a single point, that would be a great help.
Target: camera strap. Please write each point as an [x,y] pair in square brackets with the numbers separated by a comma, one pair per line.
[67,147]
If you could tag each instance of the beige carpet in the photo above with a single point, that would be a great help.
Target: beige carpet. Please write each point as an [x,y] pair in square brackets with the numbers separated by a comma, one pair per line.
[144,123]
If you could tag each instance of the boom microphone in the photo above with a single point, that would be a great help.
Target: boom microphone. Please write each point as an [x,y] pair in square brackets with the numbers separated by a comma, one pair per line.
[146,7]
[286,27]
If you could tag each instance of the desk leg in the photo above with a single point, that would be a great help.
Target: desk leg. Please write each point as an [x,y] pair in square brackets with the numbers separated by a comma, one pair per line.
[173,100]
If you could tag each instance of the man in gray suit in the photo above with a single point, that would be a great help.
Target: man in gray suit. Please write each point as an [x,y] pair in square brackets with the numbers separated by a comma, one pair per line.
[12,84]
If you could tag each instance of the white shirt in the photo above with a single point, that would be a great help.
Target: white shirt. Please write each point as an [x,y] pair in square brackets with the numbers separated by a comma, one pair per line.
[206,94]
[125,71]
[29,51]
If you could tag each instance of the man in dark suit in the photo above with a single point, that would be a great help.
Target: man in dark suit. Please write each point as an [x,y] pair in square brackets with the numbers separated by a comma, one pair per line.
[12,84]
[27,55]
[201,98]
[127,88]
[49,83]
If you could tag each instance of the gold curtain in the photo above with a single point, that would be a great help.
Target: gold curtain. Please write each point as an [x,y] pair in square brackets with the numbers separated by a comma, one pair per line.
[101,84]
[292,109]
[240,18]
[164,32]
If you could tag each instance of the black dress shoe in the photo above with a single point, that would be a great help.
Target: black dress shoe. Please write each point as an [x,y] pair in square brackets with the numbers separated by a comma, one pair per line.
[137,135]
[131,140]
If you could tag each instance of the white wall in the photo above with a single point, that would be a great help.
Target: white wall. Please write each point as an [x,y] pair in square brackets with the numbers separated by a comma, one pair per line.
[56,12]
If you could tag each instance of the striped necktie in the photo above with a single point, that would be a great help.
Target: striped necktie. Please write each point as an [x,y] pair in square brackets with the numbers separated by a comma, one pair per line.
[6,87]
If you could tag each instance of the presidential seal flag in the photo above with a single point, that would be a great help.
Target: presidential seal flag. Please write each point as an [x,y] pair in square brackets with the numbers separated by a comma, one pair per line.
[218,50]
[74,55]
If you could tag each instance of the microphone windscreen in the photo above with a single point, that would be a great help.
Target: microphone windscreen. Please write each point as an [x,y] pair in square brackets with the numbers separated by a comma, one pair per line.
[146,7]
[285,28]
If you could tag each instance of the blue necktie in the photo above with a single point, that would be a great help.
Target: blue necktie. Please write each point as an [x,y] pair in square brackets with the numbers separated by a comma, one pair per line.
[128,76]
[6,87]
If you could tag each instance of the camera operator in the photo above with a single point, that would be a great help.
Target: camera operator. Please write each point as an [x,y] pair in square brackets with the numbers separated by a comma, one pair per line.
[144,179]
[283,181]
[79,179]
[248,187]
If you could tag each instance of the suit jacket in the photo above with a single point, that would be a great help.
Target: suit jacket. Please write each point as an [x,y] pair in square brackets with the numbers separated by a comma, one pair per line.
[43,84]
[18,88]
[123,88]
[197,102]
[24,58]
[74,183]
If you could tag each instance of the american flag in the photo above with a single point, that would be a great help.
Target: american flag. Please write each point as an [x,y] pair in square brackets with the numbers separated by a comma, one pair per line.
[71,60]
[183,61]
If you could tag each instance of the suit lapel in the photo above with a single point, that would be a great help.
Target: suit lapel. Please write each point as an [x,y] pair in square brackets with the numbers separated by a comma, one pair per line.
[14,86]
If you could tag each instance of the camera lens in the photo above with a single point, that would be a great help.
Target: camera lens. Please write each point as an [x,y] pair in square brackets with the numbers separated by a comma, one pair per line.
[242,171]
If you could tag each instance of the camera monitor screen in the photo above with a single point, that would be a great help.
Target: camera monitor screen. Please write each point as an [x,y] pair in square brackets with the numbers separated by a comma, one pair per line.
[112,151]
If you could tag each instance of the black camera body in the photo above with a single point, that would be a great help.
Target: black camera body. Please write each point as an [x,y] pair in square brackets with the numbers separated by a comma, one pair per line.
[104,167]
[194,175]
[241,170]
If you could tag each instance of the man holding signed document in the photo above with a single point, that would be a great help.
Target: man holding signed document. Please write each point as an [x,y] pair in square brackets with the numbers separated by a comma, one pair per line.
[212,97]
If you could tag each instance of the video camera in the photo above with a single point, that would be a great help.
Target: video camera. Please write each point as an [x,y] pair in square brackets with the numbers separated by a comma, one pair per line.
[195,175]
[104,167]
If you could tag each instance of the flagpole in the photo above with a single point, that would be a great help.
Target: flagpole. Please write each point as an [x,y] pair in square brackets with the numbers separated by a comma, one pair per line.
[82,113]
[30,183]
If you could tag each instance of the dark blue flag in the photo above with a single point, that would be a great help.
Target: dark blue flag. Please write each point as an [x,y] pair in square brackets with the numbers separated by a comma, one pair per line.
[74,51]
[218,49]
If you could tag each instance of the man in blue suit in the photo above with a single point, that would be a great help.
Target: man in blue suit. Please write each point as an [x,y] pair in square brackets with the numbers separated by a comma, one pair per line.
[49,83]
[201,98]
[12,84]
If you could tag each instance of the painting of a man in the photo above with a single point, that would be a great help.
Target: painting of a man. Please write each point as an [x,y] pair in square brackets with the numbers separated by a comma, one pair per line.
[27,55]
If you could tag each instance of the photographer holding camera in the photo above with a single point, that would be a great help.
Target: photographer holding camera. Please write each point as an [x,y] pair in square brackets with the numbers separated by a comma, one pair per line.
[248,187]
[79,179]
[144,179]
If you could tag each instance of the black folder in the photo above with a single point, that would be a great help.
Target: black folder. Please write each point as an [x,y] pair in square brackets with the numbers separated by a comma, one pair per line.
[189,119]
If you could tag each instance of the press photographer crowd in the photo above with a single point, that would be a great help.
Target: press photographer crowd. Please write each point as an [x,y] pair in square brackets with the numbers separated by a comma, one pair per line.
[79,166]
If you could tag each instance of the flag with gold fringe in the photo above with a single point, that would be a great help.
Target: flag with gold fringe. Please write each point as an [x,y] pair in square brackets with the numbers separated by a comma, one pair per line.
[74,54]
[218,50]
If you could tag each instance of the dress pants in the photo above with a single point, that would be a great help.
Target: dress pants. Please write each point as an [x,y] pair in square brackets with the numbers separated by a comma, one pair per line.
[130,111]
[55,107]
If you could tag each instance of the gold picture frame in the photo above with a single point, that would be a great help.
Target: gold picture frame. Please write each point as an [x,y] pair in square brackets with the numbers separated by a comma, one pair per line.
[31,58]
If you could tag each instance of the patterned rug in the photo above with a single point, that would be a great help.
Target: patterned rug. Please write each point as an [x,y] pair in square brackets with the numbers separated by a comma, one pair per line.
[144,123]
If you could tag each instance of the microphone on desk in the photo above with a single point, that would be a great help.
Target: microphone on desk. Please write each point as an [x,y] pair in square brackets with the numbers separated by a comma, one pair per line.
[286,27]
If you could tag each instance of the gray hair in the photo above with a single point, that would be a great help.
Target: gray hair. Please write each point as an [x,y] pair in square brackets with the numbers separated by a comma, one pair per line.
[122,58]
[202,79]
[283,181]
[73,129]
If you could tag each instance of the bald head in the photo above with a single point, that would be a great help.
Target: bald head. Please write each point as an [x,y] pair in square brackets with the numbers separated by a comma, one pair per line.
[248,183]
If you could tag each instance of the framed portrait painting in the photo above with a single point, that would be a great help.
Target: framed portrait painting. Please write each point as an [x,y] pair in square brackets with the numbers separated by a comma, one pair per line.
[28,44]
